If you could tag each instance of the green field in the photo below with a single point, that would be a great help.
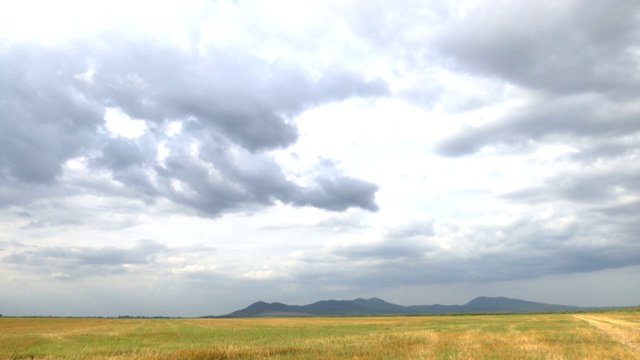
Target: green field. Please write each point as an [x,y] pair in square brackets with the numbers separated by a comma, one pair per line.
[598,335]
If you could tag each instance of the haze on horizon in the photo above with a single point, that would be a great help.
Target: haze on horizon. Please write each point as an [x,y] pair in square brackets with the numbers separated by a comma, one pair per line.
[191,158]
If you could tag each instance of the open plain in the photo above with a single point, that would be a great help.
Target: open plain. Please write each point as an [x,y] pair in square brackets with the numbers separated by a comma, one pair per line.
[584,335]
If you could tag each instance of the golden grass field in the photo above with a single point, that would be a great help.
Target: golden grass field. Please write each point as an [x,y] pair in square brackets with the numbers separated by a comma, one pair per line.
[595,335]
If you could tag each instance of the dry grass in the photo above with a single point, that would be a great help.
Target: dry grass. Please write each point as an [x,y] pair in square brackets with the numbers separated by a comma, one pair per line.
[539,336]
[621,328]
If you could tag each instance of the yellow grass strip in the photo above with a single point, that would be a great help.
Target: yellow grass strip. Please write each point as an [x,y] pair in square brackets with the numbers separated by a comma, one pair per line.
[623,331]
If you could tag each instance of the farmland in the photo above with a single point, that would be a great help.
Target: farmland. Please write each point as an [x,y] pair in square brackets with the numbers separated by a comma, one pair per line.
[596,335]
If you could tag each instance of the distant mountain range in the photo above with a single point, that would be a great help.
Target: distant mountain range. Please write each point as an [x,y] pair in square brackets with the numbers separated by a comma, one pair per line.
[375,306]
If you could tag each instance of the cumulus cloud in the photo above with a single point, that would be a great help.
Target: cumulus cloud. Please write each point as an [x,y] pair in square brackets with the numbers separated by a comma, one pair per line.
[45,119]
[232,109]
[339,193]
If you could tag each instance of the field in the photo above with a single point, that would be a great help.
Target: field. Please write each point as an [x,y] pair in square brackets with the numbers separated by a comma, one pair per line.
[597,335]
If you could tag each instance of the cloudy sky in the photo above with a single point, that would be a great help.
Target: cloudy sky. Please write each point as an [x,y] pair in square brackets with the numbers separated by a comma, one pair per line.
[189,158]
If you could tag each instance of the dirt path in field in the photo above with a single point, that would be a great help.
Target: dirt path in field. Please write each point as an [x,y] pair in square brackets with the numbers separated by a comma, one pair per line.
[625,332]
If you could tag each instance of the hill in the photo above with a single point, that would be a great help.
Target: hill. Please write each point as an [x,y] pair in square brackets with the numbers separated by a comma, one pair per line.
[375,306]
[503,304]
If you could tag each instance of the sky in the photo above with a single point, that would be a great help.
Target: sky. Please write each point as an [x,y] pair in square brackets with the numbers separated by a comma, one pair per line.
[162,158]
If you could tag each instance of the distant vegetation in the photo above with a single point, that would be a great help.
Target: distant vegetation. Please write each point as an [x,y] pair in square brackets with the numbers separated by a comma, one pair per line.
[580,335]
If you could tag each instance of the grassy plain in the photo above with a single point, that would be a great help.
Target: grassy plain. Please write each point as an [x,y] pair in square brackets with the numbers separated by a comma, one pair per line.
[600,335]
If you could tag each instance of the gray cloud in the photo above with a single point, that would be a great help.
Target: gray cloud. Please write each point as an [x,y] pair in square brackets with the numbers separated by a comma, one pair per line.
[602,200]
[588,186]
[604,149]
[524,249]
[410,242]
[241,98]
[224,178]
[120,153]
[412,230]
[390,252]
[578,64]
[45,119]
[80,262]
[577,59]
[560,48]
[565,120]
[339,193]
[228,103]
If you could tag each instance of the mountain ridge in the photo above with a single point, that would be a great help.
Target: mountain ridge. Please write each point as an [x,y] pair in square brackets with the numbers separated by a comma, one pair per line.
[377,306]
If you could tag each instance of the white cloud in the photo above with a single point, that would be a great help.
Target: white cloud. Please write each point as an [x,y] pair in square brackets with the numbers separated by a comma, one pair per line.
[119,124]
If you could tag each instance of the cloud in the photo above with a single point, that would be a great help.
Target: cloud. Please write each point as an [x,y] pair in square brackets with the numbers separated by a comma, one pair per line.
[577,61]
[227,94]
[121,153]
[45,118]
[558,48]
[232,109]
[84,261]
[600,185]
[388,149]
[522,249]
[567,119]
[339,193]
[416,229]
